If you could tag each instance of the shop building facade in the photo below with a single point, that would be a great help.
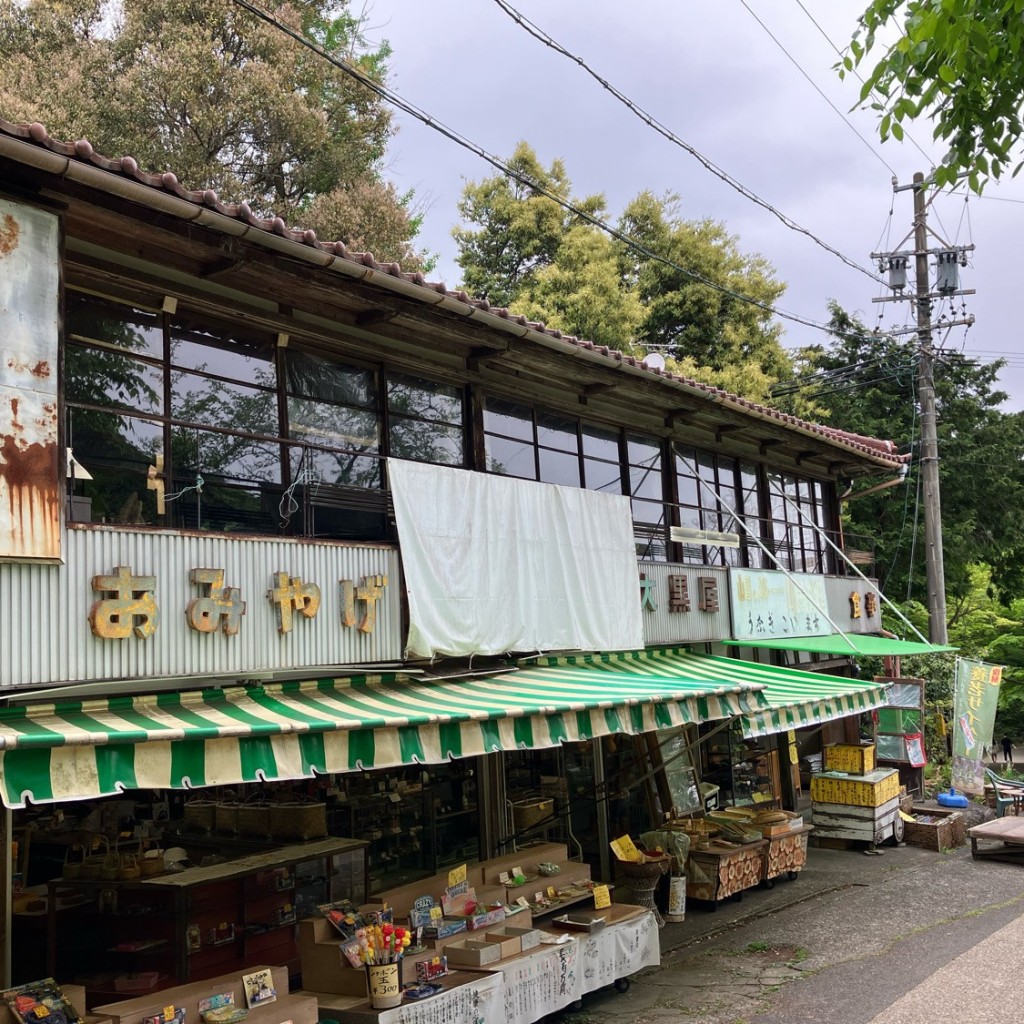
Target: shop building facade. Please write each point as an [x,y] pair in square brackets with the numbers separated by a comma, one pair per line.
[212,575]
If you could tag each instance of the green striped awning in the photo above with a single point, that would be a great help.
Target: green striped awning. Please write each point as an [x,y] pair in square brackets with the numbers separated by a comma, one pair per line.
[796,698]
[76,750]
[849,644]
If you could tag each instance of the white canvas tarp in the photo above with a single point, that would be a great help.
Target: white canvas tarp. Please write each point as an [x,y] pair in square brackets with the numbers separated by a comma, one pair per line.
[495,564]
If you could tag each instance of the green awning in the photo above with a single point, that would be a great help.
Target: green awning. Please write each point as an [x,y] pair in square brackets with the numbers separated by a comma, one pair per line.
[796,698]
[860,644]
[283,731]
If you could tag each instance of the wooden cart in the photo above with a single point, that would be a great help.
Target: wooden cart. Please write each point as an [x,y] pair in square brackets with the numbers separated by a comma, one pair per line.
[719,872]
[784,854]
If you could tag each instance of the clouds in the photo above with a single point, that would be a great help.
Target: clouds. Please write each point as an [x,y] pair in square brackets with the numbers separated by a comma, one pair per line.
[710,73]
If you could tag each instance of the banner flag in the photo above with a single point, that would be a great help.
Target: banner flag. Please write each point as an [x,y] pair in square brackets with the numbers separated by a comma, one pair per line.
[975,696]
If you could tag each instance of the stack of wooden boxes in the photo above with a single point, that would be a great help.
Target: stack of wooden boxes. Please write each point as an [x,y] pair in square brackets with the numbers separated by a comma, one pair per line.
[852,800]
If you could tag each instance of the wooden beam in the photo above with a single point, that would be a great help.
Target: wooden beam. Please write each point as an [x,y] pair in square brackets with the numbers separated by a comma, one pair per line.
[218,268]
[684,416]
[803,455]
[375,316]
[726,429]
[482,354]
[596,388]
[768,443]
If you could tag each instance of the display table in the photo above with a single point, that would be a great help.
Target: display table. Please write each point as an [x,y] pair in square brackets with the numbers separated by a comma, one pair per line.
[719,872]
[525,988]
[785,854]
[1008,832]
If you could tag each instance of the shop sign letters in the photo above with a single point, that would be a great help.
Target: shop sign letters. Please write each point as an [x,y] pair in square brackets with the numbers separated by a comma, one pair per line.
[679,594]
[127,603]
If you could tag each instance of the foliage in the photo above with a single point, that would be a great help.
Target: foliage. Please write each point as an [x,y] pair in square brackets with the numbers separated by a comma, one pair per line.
[521,249]
[957,63]
[220,98]
[981,471]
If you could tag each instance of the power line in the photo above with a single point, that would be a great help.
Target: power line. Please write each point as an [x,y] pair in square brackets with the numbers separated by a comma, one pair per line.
[839,54]
[539,34]
[817,89]
[450,133]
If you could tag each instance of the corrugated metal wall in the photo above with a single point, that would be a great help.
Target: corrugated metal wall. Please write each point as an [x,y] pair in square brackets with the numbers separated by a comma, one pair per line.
[47,636]
[664,627]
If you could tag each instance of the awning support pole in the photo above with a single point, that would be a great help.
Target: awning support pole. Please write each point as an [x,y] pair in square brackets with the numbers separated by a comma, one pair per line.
[692,466]
[842,554]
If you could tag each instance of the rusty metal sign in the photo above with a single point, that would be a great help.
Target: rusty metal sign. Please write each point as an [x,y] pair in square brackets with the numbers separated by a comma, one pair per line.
[31,467]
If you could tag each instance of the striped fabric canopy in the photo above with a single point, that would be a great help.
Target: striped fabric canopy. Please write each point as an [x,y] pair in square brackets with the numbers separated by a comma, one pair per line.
[76,750]
[796,698]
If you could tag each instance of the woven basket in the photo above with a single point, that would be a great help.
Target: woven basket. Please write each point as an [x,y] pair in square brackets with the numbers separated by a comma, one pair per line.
[644,868]
[151,863]
[946,834]
[74,858]
[254,819]
[129,870]
[200,815]
[92,864]
[298,820]
[110,870]
[528,813]
[226,817]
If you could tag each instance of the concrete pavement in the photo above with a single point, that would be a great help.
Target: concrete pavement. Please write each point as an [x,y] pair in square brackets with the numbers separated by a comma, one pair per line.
[853,940]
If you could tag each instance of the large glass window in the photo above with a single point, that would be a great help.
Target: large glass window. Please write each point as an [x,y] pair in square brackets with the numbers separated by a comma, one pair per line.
[425,421]
[647,491]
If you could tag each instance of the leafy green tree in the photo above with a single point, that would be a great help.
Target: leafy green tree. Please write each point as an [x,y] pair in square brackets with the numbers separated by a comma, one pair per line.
[580,292]
[868,387]
[519,228]
[523,250]
[222,99]
[956,63]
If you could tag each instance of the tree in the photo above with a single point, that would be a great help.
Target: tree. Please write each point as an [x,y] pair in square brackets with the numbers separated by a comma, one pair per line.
[867,385]
[959,63]
[520,229]
[222,99]
[526,251]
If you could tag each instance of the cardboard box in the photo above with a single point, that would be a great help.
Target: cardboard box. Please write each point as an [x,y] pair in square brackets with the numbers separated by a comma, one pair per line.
[510,945]
[852,758]
[485,917]
[870,790]
[324,968]
[529,938]
[471,953]
[75,995]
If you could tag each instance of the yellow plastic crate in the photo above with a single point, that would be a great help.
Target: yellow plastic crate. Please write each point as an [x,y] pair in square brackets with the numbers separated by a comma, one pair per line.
[870,790]
[852,758]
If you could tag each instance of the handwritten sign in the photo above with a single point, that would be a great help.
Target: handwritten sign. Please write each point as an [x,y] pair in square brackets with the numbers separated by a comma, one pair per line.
[625,849]
[602,897]
[456,875]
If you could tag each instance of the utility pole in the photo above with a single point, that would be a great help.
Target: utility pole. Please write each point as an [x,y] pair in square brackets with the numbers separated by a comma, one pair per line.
[936,576]
[948,259]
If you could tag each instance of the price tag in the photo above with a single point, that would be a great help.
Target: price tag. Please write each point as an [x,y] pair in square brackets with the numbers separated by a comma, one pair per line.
[436,913]
[602,897]
[537,897]
[456,875]
[625,849]
[503,878]
[516,872]
[523,902]
[395,798]
[42,1011]
[169,1012]
[551,892]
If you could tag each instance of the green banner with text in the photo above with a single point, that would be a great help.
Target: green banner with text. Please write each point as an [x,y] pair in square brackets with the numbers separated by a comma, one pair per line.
[975,696]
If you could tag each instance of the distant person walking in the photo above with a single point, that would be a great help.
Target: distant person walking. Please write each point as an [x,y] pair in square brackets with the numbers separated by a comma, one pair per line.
[1007,749]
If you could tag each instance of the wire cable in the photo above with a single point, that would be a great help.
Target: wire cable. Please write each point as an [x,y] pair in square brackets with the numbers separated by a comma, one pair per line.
[539,34]
[817,89]
[431,122]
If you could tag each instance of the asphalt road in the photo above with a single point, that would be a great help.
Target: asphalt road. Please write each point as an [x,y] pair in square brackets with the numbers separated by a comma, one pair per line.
[912,937]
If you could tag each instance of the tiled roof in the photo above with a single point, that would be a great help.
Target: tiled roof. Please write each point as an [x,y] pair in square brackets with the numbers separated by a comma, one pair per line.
[127,168]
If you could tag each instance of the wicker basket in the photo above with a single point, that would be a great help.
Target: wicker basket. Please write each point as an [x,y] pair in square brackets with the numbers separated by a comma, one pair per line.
[298,820]
[200,815]
[945,834]
[129,870]
[74,858]
[225,817]
[649,867]
[254,819]
[151,863]
[529,813]
[92,864]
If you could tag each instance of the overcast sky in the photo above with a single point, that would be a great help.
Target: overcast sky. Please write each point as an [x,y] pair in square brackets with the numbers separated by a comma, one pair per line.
[714,76]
